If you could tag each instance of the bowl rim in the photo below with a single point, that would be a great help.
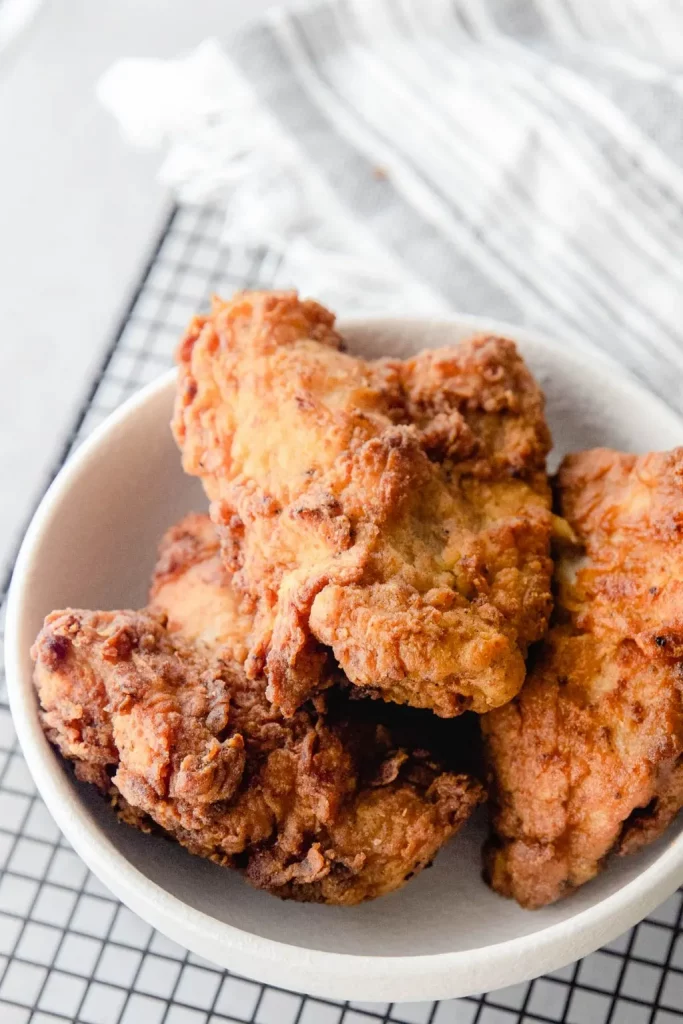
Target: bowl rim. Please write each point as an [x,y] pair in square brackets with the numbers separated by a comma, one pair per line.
[426,976]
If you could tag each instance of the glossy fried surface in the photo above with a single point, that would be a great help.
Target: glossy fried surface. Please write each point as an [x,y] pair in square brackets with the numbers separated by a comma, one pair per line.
[588,759]
[392,514]
[154,708]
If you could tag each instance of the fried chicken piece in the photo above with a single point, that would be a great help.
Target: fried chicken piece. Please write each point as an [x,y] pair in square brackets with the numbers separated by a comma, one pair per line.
[152,708]
[192,588]
[631,509]
[588,759]
[393,514]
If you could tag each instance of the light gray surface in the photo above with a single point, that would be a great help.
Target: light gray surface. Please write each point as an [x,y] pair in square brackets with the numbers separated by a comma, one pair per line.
[78,212]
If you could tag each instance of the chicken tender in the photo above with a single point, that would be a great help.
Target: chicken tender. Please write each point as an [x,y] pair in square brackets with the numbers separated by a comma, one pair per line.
[192,589]
[588,759]
[392,517]
[154,708]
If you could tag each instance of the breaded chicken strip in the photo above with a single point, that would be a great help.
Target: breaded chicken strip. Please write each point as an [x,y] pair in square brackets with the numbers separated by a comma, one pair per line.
[192,589]
[393,514]
[588,759]
[154,711]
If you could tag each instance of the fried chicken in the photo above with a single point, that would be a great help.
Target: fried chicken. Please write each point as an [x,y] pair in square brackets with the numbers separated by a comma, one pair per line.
[154,708]
[192,589]
[392,516]
[588,759]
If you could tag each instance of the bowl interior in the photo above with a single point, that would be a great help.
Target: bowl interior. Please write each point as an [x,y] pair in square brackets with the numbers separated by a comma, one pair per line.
[96,548]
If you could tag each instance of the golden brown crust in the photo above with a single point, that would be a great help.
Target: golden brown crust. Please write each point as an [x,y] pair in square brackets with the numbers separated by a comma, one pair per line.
[628,510]
[322,806]
[480,405]
[191,587]
[161,710]
[588,759]
[408,499]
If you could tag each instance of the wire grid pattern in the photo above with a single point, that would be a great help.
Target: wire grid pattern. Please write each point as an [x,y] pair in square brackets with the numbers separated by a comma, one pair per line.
[70,951]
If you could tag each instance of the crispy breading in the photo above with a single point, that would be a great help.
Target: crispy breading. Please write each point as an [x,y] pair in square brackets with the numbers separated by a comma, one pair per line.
[392,514]
[191,587]
[588,759]
[154,708]
[630,509]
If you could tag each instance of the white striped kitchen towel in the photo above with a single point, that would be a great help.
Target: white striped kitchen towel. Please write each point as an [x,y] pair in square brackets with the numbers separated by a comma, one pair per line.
[521,159]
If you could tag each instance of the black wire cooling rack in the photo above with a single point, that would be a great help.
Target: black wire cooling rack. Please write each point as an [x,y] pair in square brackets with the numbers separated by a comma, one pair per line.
[69,951]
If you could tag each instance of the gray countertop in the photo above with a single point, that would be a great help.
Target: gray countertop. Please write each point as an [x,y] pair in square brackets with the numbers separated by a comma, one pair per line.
[79,211]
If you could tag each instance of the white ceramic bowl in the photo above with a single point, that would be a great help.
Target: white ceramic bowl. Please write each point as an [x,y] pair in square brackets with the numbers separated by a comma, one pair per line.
[92,544]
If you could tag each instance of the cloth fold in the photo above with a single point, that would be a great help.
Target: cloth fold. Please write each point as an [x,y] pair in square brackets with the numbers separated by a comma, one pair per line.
[15,16]
[507,158]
